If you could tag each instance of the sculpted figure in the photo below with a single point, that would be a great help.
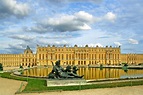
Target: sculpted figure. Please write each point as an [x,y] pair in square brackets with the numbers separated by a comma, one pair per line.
[72,73]
[58,72]
[75,69]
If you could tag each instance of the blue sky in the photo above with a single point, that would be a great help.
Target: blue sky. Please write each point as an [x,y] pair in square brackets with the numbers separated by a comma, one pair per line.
[82,22]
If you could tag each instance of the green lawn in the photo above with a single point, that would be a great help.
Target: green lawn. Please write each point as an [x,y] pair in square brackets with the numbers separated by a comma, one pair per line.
[39,85]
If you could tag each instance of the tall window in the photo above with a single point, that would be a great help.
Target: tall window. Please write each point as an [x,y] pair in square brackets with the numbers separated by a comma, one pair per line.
[72,56]
[69,56]
[56,56]
[51,56]
[39,56]
[62,56]
[84,62]
[59,57]
[66,56]
[46,56]
[78,62]
[42,56]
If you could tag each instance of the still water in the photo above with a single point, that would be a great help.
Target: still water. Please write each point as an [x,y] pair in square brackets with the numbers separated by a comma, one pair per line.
[89,73]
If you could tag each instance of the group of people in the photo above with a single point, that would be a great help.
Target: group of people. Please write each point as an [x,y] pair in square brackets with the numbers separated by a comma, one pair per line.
[58,72]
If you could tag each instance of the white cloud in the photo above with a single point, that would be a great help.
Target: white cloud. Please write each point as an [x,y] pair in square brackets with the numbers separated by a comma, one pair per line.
[68,1]
[95,1]
[63,23]
[44,41]
[84,27]
[84,16]
[22,37]
[67,23]
[133,41]
[94,45]
[110,17]
[12,7]
[63,42]
[15,46]
[117,43]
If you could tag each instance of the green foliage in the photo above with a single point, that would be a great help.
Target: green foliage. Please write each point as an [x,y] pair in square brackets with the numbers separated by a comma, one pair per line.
[35,85]
[28,66]
[140,64]
[1,67]
[21,67]
[7,75]
[94,86]
[125,64]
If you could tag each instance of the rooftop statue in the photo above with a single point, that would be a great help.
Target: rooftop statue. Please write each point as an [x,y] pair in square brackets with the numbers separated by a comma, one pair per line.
[58,72]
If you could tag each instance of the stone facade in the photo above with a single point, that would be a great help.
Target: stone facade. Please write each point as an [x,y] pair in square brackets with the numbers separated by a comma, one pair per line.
[78,55]
[71,55]
[132,59]
[25,59]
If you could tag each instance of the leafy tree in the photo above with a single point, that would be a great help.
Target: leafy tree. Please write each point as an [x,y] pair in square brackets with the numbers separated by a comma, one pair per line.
[1,67]
[126,64]
[28,66]
[21,67]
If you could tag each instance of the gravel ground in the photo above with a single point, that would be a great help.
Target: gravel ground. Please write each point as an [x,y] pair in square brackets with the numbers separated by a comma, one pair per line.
[9,86]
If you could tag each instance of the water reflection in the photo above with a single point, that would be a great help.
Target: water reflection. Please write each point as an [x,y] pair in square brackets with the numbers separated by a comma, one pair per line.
[89,73]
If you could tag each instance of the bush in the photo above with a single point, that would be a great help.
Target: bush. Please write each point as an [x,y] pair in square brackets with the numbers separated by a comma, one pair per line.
[21,67]
[140,64]
[125,64]
[28,66]
[1,67]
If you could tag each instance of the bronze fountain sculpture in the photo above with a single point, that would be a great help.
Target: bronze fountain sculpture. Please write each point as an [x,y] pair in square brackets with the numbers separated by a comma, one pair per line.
[58,72]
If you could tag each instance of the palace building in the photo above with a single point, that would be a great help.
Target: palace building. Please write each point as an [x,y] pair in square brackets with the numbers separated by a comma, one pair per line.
[71,56]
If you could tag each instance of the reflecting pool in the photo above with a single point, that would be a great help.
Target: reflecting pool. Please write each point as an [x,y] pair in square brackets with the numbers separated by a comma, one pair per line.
[89,73]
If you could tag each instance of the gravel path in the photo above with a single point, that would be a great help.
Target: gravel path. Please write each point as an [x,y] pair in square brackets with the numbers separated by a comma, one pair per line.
[9,86]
